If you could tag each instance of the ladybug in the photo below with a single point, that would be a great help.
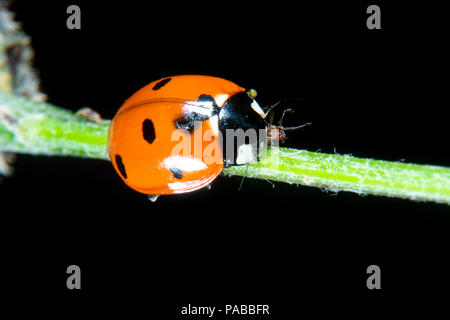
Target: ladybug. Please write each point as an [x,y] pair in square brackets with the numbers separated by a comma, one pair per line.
[145,134]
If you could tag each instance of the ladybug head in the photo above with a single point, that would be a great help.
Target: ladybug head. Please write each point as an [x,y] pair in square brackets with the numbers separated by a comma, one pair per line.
[243,127]
[246,130]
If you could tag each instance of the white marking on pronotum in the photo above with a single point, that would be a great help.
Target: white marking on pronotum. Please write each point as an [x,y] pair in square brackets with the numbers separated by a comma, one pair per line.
[258,109]
[245,154]
[187,164]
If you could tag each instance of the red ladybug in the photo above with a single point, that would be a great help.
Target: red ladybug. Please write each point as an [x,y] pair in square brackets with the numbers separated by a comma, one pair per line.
[145,134]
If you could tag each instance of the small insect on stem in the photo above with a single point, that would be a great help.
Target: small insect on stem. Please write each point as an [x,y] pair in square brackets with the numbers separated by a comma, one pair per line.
[278,132]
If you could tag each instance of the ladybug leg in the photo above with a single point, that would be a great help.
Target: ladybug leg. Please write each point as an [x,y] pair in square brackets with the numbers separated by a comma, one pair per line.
[153,198]
[89,114]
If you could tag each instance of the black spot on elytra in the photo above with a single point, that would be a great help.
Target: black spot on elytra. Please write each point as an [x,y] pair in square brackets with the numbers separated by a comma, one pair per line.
[161,84]
[188,119]
[206,98]
[121,166]
[177,173]
[148,130]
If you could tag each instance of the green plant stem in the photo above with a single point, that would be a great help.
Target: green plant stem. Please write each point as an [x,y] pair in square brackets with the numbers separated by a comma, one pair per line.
[336,172]
[41,128]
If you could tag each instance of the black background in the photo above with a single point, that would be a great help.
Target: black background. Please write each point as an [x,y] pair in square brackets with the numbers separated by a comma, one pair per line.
[372,93]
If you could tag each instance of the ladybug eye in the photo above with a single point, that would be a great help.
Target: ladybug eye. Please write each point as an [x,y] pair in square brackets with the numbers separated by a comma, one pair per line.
[252,93]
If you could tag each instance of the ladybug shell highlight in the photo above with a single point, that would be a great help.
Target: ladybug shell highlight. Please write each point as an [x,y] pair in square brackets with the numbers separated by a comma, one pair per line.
[141,144]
